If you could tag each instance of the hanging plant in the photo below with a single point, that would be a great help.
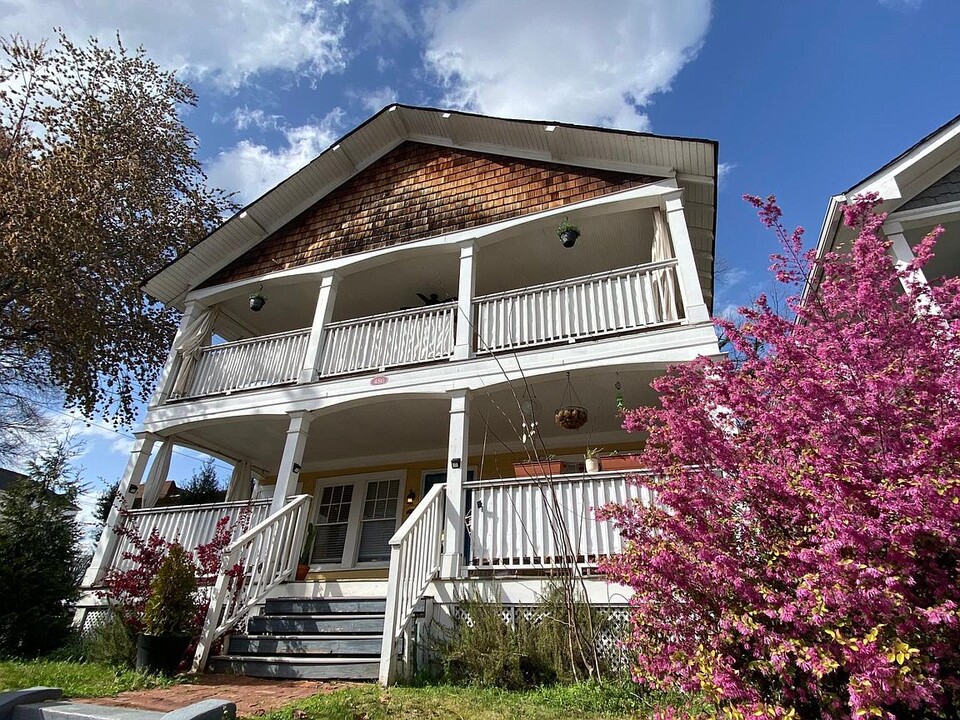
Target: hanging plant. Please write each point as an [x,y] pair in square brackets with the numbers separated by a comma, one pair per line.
[570,415]
[568,233]
[258,300]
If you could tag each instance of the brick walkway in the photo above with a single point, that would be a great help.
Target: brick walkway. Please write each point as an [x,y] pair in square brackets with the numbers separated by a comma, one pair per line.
[253,696]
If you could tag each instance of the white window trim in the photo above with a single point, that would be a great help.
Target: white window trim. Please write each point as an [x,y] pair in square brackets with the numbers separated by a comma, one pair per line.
[351,543]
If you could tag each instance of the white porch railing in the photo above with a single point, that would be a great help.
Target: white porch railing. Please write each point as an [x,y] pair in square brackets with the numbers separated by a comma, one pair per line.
[405,337]
[414,562]
[245,364]
[625,299]
[516,522]
[189,525]
[255,563]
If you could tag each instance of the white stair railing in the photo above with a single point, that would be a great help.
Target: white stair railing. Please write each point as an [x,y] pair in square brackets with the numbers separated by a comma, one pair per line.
[642,296]
[415,551]
[405,337]
[255,563]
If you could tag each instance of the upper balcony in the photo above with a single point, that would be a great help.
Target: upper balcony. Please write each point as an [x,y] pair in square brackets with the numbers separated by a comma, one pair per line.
[514,290]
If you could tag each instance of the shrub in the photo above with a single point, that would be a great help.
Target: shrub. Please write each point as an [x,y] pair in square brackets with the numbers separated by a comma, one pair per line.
[485,650]
[802,559]
[110,642]
[39,554]
[172,607]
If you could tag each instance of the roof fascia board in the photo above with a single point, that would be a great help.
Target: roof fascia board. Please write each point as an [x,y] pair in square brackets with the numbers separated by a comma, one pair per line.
[882,180]
[634,199]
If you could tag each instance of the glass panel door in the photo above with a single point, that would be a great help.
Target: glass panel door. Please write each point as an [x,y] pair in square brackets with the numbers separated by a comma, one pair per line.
[332,515]
[379,521]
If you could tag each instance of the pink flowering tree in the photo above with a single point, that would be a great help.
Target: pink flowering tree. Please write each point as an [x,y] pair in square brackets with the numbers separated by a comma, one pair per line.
[803,558]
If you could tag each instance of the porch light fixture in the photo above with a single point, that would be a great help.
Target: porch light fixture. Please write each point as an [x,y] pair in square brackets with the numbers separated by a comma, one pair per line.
[258,300]
[297,467]
[411,497]
[455,463]
[133,489]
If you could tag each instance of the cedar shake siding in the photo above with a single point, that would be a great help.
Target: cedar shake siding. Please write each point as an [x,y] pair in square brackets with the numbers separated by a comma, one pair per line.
[417,191]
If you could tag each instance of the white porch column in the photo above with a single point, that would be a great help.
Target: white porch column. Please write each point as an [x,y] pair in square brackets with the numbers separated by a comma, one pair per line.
[463,348]
[902,255]
[291,459]
[191,311]
[129,481]
[321,317]
[694,307]
[452,563]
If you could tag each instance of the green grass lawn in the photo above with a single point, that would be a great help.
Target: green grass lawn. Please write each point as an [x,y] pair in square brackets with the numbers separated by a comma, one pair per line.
[578,702]
[76,679]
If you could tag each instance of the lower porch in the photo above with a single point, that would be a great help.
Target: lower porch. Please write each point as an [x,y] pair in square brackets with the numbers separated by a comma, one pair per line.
[397,506]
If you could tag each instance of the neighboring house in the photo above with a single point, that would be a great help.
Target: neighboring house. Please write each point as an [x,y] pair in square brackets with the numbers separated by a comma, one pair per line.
[919,189]
[375,339]
[9,477]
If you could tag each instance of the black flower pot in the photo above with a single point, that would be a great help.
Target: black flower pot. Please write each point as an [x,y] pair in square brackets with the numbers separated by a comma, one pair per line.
[569,238]
[160,654]
[257,302]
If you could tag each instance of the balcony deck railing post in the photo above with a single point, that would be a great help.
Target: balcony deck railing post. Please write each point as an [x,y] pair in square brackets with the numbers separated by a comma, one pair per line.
[326,299]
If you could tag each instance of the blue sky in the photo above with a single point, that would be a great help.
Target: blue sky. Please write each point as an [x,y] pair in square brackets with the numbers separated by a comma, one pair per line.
[805,97]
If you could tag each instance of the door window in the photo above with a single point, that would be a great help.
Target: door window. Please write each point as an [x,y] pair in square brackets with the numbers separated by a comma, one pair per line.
[333,515]
[379,520]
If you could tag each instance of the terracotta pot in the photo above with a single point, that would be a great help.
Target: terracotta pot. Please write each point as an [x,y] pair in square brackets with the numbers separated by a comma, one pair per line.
[302,571]
[539,469]
[620,462]
[160,654]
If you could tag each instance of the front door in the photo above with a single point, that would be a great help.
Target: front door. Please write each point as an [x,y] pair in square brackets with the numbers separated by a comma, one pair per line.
[356,517]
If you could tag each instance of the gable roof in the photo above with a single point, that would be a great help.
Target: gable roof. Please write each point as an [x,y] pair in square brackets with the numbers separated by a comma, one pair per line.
[692,161]
[900,180]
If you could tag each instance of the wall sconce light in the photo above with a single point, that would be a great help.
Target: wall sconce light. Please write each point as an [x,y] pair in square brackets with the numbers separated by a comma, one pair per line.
[297,467]
[455,463]
[411,497]
[133,489]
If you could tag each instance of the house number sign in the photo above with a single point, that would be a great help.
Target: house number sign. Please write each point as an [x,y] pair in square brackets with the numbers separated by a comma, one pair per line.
[379,380]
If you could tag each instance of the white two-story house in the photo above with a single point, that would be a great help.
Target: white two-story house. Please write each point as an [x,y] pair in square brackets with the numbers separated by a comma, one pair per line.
[380,339]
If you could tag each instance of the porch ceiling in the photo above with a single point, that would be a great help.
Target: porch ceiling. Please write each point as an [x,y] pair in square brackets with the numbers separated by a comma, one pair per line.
[405,429]
[532,257]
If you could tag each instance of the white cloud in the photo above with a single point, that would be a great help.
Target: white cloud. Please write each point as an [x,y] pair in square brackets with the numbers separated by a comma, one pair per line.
[569,60]
[223,41]
[902,4]
[723,170]
[95,438]
[251,168]
[375,100]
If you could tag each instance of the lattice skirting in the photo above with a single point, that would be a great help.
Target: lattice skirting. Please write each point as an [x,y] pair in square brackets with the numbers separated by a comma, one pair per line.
[609,639]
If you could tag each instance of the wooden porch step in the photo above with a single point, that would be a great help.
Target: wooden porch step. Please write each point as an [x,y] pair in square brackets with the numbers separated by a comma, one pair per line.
[307,645]
[302,668]
[325,606]
[346,624]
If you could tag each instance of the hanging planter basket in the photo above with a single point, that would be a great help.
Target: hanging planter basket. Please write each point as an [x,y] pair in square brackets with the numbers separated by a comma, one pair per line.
[571,417]
[571,414]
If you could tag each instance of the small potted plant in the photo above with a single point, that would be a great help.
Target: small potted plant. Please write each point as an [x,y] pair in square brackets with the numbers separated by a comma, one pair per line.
[257,301]
[542,467]
[303,567]
[568,233]
[591,460]
[168,619]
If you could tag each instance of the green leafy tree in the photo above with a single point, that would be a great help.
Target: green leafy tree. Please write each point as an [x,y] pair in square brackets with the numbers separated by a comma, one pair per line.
[203,486]
[39,556]
[99,188]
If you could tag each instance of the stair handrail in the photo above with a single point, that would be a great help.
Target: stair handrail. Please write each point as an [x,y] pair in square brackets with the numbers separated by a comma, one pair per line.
[415,552]
[253,564]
